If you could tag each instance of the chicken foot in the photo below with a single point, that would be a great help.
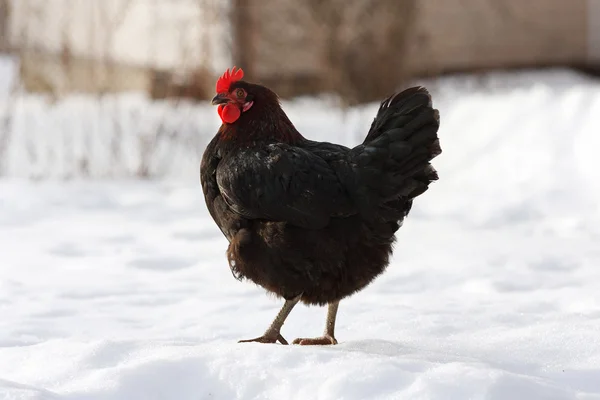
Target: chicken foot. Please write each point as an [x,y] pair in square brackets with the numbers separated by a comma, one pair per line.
[272,334]
[328,336]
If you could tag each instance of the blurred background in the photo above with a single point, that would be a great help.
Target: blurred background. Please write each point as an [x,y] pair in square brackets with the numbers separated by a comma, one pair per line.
[105,65]
[357,49]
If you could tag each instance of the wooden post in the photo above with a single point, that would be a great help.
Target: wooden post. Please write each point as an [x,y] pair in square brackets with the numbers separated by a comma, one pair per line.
[243,46]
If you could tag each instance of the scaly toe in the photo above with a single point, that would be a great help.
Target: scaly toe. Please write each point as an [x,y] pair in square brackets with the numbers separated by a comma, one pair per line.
[266,339]
[318,341]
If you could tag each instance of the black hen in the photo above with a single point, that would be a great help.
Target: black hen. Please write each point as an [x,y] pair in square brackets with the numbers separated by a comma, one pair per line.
[313,221]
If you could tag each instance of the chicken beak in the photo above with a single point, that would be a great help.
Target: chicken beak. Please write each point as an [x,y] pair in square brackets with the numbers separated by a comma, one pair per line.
[220,98]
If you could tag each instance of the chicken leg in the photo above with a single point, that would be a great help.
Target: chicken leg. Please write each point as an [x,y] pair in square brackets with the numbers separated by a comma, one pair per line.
[328,336]
[272,333]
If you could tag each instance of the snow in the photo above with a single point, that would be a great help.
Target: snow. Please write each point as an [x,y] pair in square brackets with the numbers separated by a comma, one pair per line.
[118,288]
[128,135]
[8,74]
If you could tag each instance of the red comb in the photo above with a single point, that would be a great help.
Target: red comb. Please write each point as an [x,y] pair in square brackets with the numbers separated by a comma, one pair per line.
[228,78]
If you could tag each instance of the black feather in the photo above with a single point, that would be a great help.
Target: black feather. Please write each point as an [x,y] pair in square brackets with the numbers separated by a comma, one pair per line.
[310,218]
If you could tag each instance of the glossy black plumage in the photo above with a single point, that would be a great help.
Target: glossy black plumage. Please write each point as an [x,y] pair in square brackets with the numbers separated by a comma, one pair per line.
[310,218]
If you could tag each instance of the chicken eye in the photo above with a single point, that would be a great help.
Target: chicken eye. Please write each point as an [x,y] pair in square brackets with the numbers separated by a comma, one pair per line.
[240,93]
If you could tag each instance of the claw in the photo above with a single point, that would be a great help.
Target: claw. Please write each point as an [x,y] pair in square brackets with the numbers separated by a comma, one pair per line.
[318,341]
[281,339]
[266,339]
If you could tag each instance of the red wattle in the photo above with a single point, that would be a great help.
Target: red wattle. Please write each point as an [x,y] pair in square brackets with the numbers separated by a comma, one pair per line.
[228,113]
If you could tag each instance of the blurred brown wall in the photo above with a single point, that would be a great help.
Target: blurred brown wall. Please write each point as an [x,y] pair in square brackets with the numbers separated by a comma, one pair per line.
[441,35]
[352,47]
[475,34]
[594,31]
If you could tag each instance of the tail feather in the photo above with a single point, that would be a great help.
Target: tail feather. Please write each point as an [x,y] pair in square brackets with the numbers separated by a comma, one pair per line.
[400,111]
[393,162]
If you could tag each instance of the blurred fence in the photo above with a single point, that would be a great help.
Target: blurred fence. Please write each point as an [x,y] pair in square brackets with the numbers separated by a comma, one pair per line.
[358,49]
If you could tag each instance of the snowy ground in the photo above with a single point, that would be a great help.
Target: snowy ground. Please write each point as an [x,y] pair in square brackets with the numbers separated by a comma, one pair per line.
[118,289]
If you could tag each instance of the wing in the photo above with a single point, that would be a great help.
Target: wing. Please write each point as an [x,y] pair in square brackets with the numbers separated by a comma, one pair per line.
[282,183]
